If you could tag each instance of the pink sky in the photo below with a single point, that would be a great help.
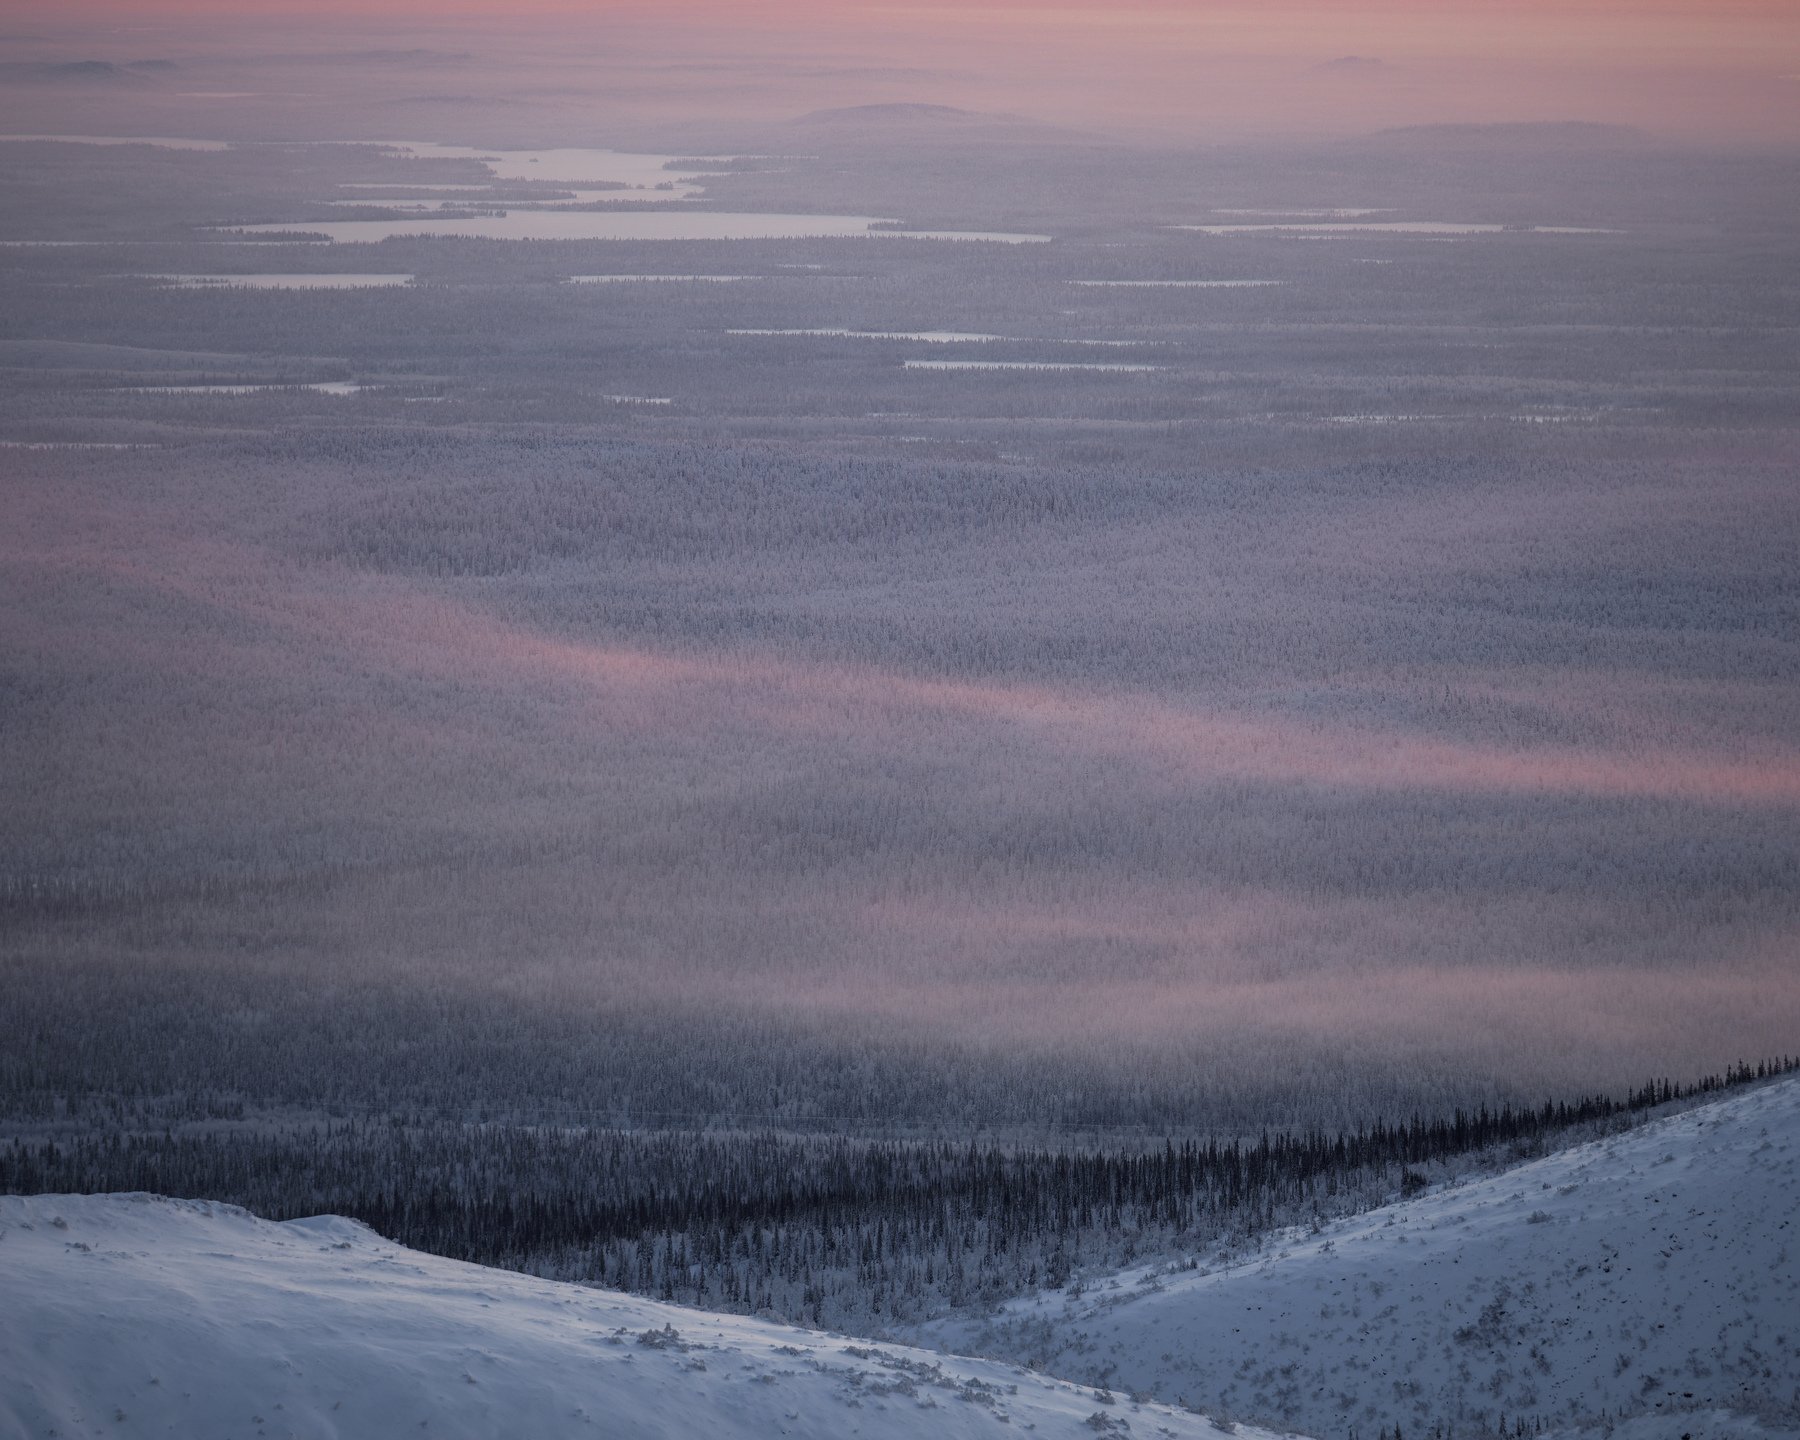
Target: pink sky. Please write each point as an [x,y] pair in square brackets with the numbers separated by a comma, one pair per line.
[1540,27]
[1184,69]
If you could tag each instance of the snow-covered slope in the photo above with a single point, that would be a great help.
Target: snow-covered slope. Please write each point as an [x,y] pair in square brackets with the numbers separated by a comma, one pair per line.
[1655,1272]
[129,1315]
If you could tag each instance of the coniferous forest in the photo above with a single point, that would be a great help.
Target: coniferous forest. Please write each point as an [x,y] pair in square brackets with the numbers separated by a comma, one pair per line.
[855,715]
[828,1231]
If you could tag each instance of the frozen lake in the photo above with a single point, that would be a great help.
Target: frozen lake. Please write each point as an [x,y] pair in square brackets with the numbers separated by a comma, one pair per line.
[932,337]
[519,224]
[998,237]
[282,282]
[1022,365]
[1320,212]
[323,387]
[1177,284]
[938,337]
[667,182]
[657,279]
[1395,227]
[657,177]
[1561,419]
[563,197]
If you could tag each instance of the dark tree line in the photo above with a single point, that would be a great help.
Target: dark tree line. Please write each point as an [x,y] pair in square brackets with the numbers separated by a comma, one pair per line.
[832,1230]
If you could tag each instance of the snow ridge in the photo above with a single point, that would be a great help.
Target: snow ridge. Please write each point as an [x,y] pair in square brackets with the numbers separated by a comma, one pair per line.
[132,1315]
[1655,1273]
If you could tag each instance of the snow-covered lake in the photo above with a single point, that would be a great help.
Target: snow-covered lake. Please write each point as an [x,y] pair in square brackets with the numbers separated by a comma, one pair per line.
[624,177]
[654,279]
[282,282]
[648,177]
[1309,212]
[323,387]
[941,337]
[930,337]
[1022,365]
[1393,227]
[1177,284]
[523,224]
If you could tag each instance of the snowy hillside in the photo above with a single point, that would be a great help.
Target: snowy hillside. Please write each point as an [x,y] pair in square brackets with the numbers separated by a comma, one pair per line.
[1653,1274]
[136,1316]
[1657,1272]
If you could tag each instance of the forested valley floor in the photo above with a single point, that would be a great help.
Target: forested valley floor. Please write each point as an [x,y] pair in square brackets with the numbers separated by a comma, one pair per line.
[829,1231]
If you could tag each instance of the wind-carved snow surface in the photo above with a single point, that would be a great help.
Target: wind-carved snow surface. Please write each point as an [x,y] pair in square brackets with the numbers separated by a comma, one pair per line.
[131,1315]
[1655,1274]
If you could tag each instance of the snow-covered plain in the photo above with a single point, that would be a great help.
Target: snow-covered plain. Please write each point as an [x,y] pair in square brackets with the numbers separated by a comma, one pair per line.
[1655,1274]
[131,1315]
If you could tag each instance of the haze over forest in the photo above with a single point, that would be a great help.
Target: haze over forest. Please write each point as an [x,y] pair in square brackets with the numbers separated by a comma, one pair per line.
[1104,685]
[1064,574]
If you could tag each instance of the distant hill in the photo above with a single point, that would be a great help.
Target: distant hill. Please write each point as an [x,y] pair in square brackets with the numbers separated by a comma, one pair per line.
[397,57]
[72,72]
[908,114]
[927,124]
[415,58]
[1516,138]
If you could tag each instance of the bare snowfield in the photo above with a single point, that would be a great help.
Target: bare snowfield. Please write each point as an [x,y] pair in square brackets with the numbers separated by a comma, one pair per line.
[131,1315]
[1655,1274]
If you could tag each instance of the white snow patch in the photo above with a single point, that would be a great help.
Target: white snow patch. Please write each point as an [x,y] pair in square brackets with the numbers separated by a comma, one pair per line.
[135,1315]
